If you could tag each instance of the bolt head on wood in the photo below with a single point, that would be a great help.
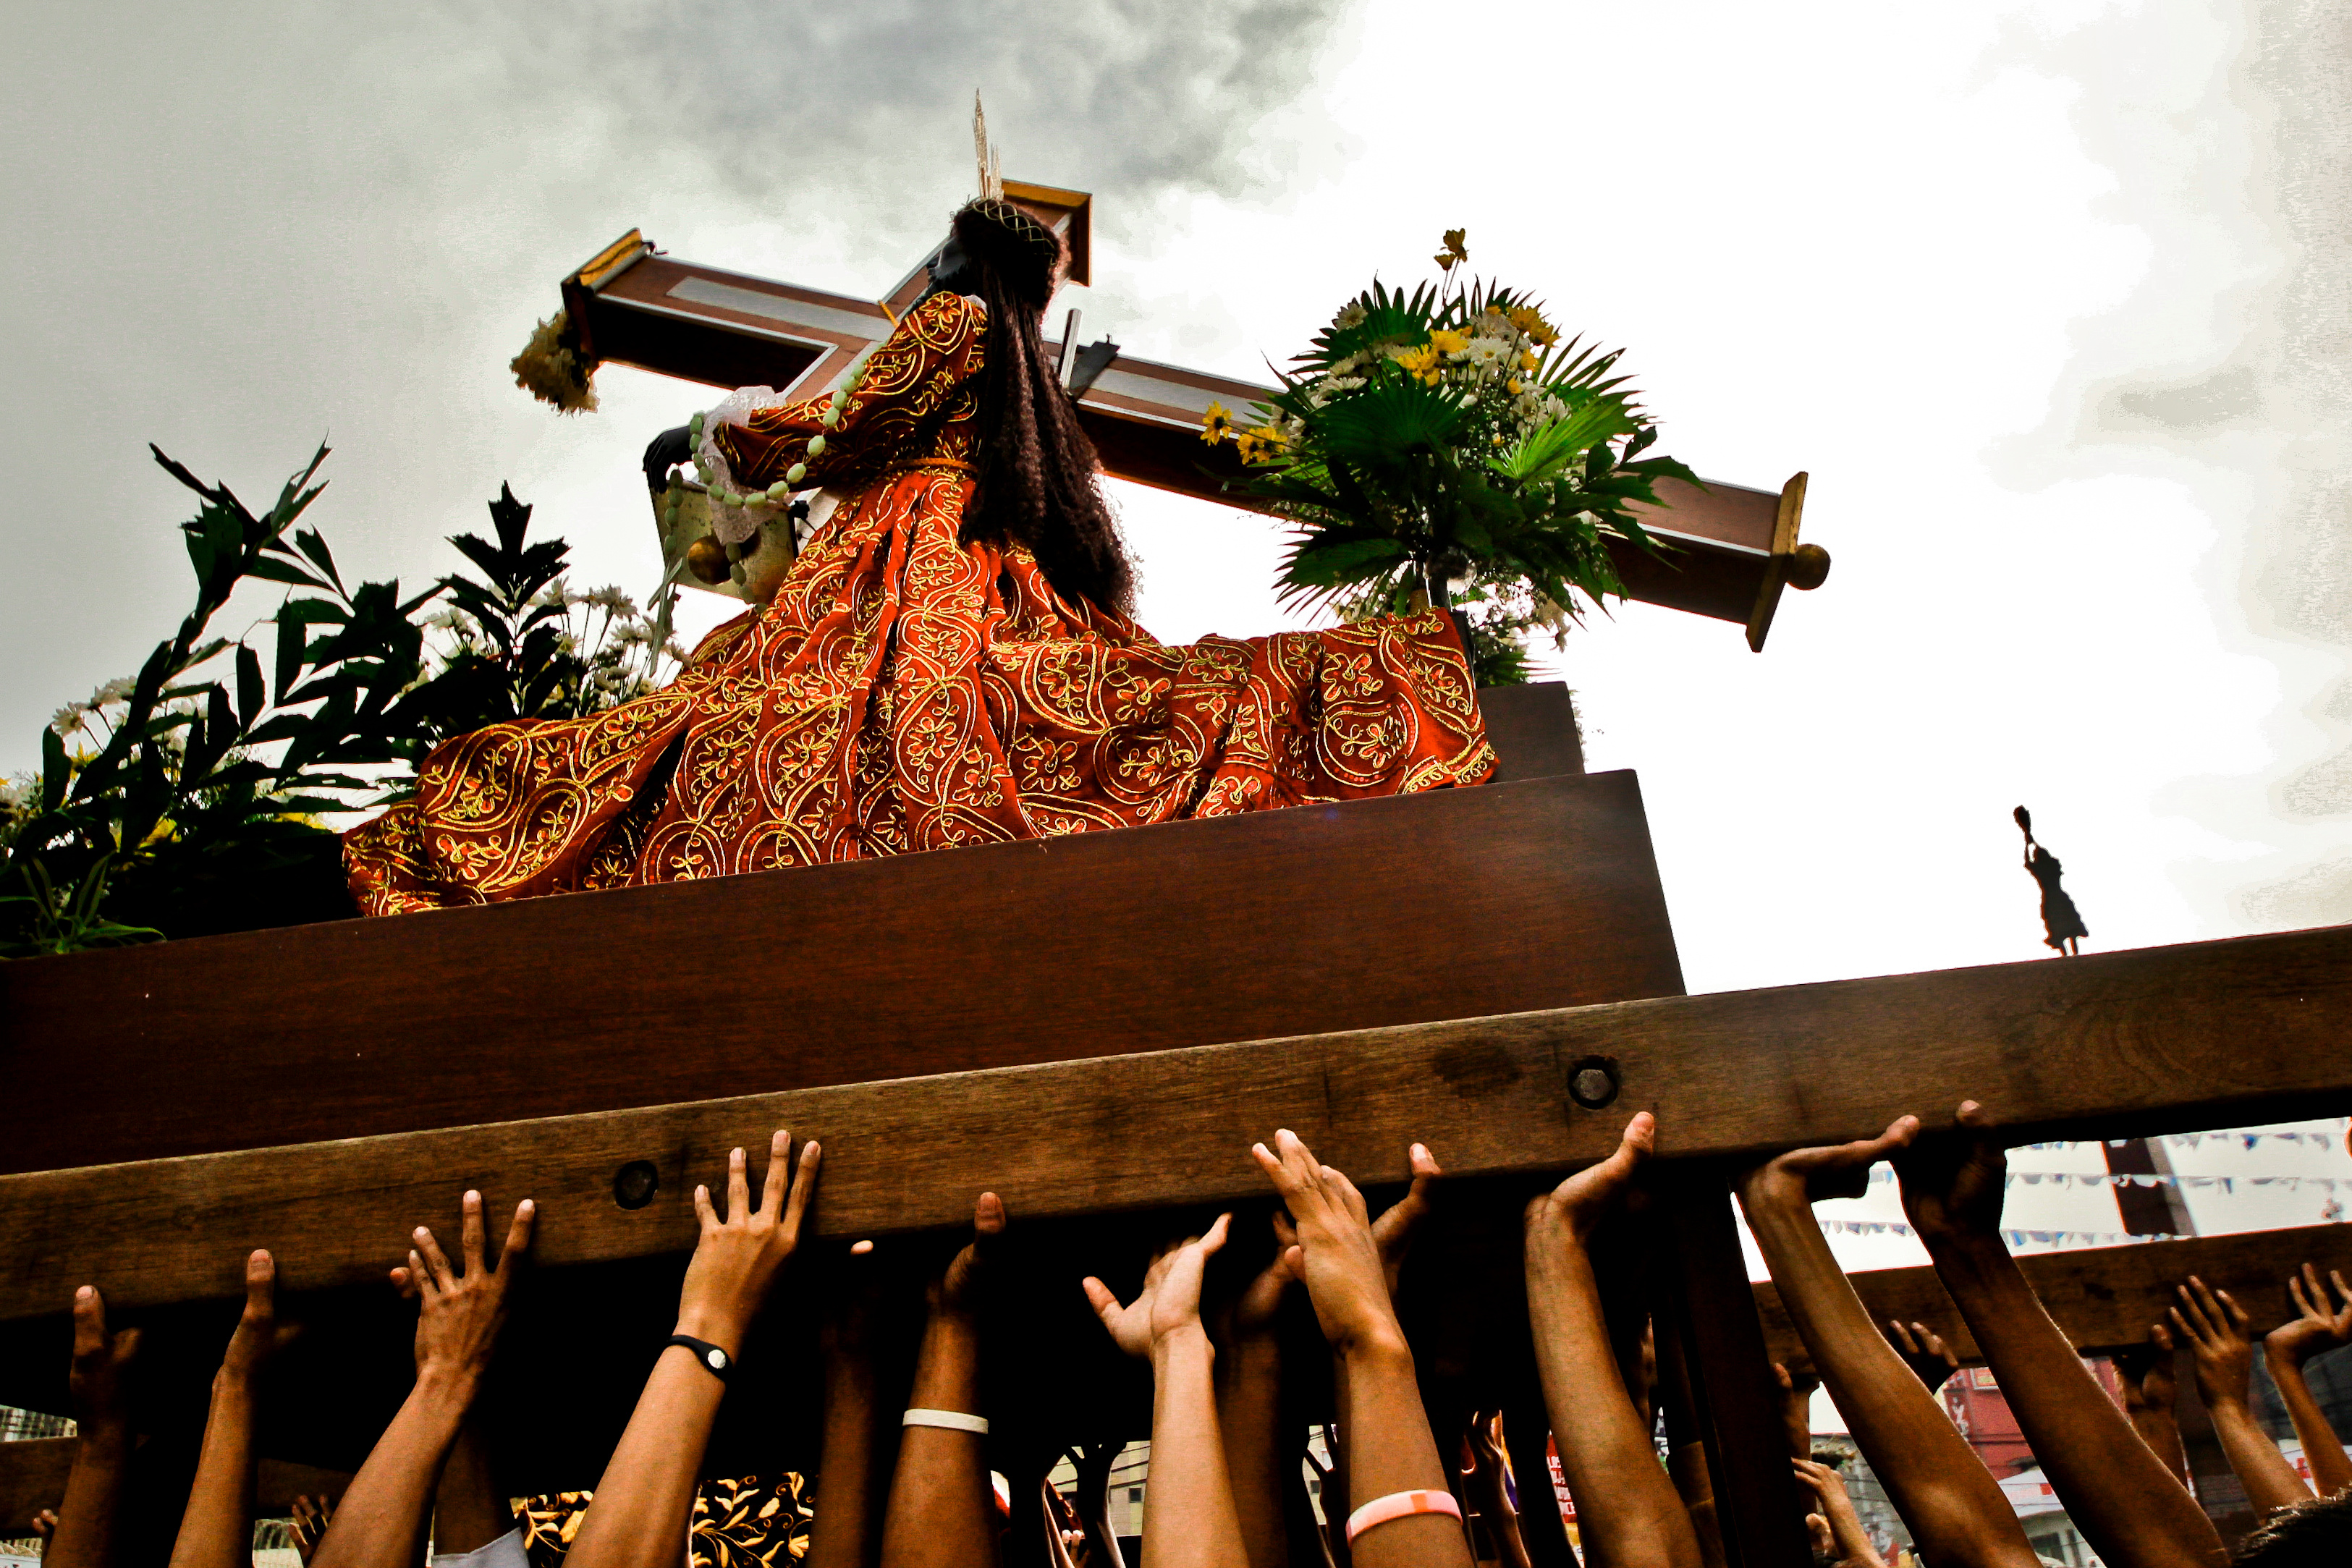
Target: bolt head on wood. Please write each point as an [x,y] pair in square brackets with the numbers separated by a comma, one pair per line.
[1592,1082]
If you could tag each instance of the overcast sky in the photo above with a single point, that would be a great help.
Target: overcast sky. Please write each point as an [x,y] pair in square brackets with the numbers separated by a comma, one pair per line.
[2050,300]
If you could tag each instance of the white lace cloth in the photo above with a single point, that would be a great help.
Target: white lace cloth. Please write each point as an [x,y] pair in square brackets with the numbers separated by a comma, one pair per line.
[733,525]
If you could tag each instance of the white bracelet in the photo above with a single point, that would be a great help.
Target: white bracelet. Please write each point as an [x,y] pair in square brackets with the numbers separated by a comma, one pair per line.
[953,1420]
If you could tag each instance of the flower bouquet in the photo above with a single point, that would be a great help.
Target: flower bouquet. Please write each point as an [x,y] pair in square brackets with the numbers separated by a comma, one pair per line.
[1448,448]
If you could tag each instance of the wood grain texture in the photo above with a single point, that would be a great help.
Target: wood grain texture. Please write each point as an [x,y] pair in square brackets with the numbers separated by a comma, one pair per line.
[1456,904]
[2099,1046]
[2104,1297]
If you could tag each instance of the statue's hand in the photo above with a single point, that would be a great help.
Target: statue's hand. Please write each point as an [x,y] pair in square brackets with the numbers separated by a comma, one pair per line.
[665,451]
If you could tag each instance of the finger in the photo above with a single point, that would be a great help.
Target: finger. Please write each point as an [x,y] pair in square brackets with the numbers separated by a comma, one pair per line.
[88,1321]
[780,1173]
[1105,1302]
[2342,1289]
[1353,1200]
[1297,1158]
[1971,1114]
[1424,1166]
[472,1236]
[703,1211]
[2208,1308]
[2237,1313]
[444,1277]
[260,1285]
[420,1278]
[860,1249]
[403,1281]
[1285,1235]
[1780,1375]
[738,1186]
[1294,1259]
[803,1191]
[988,1217]
[2160,1336]
[1901,1336]
[2182,1324]
[1214,1240]
[519,1234]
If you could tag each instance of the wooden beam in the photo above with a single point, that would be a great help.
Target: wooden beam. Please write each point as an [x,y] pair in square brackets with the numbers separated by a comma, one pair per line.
[1510,898]
[2104,1297]
[2099,1046]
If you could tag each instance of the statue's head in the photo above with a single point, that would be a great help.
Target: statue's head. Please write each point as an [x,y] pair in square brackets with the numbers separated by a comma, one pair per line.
[994,235]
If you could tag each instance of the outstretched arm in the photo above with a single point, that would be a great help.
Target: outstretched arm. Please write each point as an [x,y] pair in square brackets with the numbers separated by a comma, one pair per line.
[381,1518]
[216,1531]
[2319,1328]
[2149,1389]
[1953,1505]
[1249,1410]
[84,1533]
[2130,1510]
[646,1497]
[926,361]
[2215,1326]
[1192,1522]
[942,1511]
[1625,1505]
[1391,1454]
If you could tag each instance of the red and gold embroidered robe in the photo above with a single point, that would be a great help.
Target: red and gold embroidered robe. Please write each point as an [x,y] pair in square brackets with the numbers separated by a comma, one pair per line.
[906,692]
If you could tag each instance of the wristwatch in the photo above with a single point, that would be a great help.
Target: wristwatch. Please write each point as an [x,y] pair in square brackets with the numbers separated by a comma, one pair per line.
[715,1361]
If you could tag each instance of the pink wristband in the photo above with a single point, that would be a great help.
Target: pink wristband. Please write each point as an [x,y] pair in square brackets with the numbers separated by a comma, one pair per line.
[1397,1505]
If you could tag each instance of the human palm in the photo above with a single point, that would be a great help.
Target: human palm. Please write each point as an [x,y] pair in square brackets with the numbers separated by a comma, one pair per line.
[1952,1183]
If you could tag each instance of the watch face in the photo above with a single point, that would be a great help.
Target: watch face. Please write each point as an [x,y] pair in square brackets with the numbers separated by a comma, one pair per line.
[716,1358]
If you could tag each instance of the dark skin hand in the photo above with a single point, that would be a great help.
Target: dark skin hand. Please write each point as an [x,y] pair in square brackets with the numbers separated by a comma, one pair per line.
[1796,1410]
[1939,1484]
[98,1385]
[943,1508]
[2215,1328]
[2322,1326]
[2149,1387]
[665,451]
[381,1517]
[311,1516]
[216,1529]
[1924,1351]
[2117,1493]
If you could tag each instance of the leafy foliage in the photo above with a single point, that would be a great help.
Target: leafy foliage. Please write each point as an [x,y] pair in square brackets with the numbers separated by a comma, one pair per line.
[189,799]
[1449,437]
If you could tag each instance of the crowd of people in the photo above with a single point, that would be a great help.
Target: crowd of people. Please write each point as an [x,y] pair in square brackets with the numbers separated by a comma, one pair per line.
[1225,1488]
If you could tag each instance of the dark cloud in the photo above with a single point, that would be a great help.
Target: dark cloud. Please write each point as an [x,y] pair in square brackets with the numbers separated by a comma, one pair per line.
[239,228]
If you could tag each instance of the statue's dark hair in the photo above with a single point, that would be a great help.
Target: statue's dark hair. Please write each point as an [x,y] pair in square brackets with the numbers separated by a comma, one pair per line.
[1038,484]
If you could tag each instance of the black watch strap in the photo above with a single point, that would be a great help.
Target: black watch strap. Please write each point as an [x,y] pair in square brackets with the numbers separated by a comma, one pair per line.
[715,1361]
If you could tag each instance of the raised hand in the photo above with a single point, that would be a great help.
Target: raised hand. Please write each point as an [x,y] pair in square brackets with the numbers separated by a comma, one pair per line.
[1834,1170]
[99,1383]
[311,1516]
[1924,1351]
[257,1334]
[1952,1182]
[1576,1207]
[1170,1301]
[739,1256]
[1336,1253]
[1392,1231]
[2147,1372]
[459,1314]
[1849,1544]
[2320,1327]
[2216,1327]
[961,1287]
[1258,1309]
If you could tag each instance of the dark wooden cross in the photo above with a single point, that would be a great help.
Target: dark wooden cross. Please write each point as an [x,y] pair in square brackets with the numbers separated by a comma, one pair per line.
[1731,550]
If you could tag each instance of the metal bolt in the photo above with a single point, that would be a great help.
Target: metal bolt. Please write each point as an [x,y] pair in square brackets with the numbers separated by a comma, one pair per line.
[1592,1082]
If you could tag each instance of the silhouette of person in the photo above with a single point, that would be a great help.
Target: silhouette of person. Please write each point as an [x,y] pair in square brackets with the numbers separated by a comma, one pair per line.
[2061,922]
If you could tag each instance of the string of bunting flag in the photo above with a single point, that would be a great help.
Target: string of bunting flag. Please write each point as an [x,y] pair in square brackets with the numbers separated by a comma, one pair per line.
[1882,1175]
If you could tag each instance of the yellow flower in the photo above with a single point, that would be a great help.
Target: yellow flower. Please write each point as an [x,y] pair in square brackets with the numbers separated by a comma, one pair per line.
[1446,342]
[1455,251]
[1421,361]
[1528,319]
[1513,386]
[1216,423]
[1530,360]
[1245,445]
